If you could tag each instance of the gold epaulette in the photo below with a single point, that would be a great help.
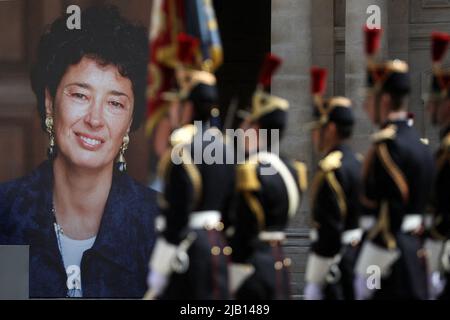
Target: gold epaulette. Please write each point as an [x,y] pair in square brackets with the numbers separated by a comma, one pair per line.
[332,161]
[446,142]
[247,178]
[387,133]
[328,165]
[183,135]
[302,173]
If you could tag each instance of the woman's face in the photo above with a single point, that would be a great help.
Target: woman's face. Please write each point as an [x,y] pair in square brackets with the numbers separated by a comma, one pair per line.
[92,112]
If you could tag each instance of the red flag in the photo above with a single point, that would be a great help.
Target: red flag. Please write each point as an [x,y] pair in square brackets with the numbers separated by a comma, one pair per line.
[166,24]
[187,49]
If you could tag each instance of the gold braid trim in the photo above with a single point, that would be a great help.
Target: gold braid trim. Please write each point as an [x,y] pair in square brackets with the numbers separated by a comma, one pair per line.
[442,160]
[383,226]
[247,178]
[256,208]
[393,170]
[302,173]
[338,191]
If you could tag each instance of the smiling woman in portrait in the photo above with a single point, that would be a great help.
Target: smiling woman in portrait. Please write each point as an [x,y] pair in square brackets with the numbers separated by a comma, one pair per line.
[89,225]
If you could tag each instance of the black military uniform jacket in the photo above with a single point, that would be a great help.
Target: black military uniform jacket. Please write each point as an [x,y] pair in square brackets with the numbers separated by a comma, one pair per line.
[335,199]
[398,177]
[265,203]
[194,187]
[441,225]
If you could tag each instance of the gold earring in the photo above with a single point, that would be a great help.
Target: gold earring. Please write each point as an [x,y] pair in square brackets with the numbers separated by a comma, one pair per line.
[121,162]
[51,151]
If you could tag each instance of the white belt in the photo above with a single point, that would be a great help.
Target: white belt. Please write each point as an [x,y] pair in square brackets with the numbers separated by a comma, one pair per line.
[313,235]
[208,219]
[367,222]
[271,236]
[351,236]
[411,222]
[428,220]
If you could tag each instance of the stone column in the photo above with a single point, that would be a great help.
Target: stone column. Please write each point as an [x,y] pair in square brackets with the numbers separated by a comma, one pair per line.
[291,40]
[323,40]
[355,63]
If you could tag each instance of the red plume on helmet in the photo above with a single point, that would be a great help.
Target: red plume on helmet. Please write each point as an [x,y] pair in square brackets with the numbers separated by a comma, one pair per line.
[187,48]
[372,40]
[270,65]
[318,87]
[439,45]
[318,80]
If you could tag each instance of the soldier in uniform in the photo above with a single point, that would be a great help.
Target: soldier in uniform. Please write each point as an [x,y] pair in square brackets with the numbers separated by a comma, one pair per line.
[438,243]
[190,259]
[335,233]
[269,192]
[397,177]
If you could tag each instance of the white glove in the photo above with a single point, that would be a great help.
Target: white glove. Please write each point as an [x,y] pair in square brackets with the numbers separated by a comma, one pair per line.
[313,291]
[436,285]
[157,282]
[362,290]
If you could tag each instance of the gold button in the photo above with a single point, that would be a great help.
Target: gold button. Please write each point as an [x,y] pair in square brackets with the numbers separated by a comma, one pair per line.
[278,265]
[287,262]
[219,226]
[215,251]
[227,251]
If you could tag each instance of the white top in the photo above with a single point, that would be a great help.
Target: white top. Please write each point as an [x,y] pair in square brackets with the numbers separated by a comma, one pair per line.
[72,252]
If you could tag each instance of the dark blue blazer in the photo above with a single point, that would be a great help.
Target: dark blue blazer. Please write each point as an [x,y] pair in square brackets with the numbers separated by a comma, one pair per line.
[117,264]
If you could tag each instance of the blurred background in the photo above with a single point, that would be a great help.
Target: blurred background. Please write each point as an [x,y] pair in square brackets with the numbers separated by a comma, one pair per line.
[303,32]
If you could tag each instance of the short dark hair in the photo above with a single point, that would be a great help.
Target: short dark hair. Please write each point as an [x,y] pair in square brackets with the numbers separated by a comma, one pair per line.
[344,131]
[106,37]
[204,98]
[397,100]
